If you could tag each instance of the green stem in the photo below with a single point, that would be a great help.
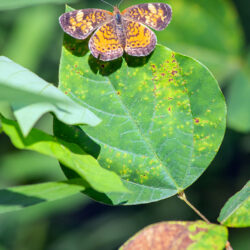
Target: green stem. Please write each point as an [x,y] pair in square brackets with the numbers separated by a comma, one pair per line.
[183,197]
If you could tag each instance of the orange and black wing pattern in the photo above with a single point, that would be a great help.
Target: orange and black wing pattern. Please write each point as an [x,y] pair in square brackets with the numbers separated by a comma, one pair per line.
[154,15]
[105,44]
[80,23]
[140,40]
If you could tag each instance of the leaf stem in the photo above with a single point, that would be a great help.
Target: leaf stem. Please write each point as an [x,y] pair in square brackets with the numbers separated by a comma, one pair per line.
[228,246]
[183,197]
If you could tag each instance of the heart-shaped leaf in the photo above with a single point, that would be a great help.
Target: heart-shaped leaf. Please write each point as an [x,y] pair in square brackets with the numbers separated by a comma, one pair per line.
[163,117]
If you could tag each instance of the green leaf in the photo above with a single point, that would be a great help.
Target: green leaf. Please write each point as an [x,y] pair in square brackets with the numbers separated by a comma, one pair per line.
[163,117]
[14,4]
[236,211]
[16,198]
[31,97]
[207,30]
[238,99]
[194,235]
[69,154]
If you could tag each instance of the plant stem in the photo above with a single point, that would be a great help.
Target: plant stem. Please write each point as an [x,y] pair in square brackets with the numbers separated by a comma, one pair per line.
[183,197]
[228,246]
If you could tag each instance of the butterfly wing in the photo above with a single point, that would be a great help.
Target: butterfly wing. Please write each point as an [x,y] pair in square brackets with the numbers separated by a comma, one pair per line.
[154,15]
[80,23]
[140,40]
[104,44]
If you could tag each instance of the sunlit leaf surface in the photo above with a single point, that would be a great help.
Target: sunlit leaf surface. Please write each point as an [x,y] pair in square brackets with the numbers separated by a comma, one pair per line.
[31,97]
[236,212]
[69,154]
[16,198]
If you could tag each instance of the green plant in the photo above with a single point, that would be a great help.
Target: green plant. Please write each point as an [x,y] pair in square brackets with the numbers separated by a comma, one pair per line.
[126,132]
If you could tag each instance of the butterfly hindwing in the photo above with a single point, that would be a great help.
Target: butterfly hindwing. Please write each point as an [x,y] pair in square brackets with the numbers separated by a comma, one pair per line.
[140,40]
[104,44]
[154,15]
[80,23]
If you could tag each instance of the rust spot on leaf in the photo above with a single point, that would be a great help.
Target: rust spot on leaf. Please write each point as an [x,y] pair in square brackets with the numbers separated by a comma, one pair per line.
[161,236]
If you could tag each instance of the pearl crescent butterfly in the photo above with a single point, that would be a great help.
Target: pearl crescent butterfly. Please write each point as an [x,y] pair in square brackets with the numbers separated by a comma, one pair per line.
[118,31]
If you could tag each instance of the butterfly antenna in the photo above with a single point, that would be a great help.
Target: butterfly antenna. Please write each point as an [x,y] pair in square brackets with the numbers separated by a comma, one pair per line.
[119,3]
[107,3]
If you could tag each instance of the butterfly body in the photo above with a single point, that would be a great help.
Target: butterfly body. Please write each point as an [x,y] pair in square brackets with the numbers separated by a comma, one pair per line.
[118,31]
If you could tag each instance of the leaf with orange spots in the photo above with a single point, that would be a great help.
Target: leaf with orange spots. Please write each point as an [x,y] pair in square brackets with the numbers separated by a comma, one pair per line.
[163,118]
[179,235]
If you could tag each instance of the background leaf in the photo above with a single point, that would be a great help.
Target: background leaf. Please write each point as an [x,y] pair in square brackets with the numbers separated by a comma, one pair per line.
[34,167]
[13,4]
[31,97]
[236,212]
[183,235]
[238,100]
[68,154]
[32,44]
[16,198]
[163,117]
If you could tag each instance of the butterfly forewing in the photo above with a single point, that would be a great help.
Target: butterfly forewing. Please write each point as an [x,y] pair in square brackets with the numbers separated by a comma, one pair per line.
[105,44]
[140,40]
[80,23]
[154,15]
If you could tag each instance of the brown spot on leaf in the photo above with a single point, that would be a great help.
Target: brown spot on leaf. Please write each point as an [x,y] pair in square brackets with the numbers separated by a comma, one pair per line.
[196,120]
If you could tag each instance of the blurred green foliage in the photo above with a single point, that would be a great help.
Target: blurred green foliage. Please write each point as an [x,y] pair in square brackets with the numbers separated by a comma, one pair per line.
[211,31]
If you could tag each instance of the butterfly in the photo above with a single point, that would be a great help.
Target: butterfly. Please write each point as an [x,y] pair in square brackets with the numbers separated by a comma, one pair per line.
[118,31]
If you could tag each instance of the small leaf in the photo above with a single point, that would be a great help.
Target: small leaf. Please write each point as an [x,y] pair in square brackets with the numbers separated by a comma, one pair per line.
[69,154]
[236,211]
[179,235]
[16,198]
[31,97]
[14,4]
[163,117]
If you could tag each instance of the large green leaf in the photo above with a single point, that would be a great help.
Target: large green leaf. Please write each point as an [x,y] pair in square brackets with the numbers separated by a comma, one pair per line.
[163,117]
[69,154]
[236,212]
[13,4]
[31,97]
[16,198]
[180,234]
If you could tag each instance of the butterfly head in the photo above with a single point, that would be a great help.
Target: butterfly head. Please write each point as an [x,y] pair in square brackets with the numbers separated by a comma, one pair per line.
[117,15]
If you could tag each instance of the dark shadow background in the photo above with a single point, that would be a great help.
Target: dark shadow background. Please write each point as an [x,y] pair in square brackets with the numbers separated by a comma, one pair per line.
[78,222]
